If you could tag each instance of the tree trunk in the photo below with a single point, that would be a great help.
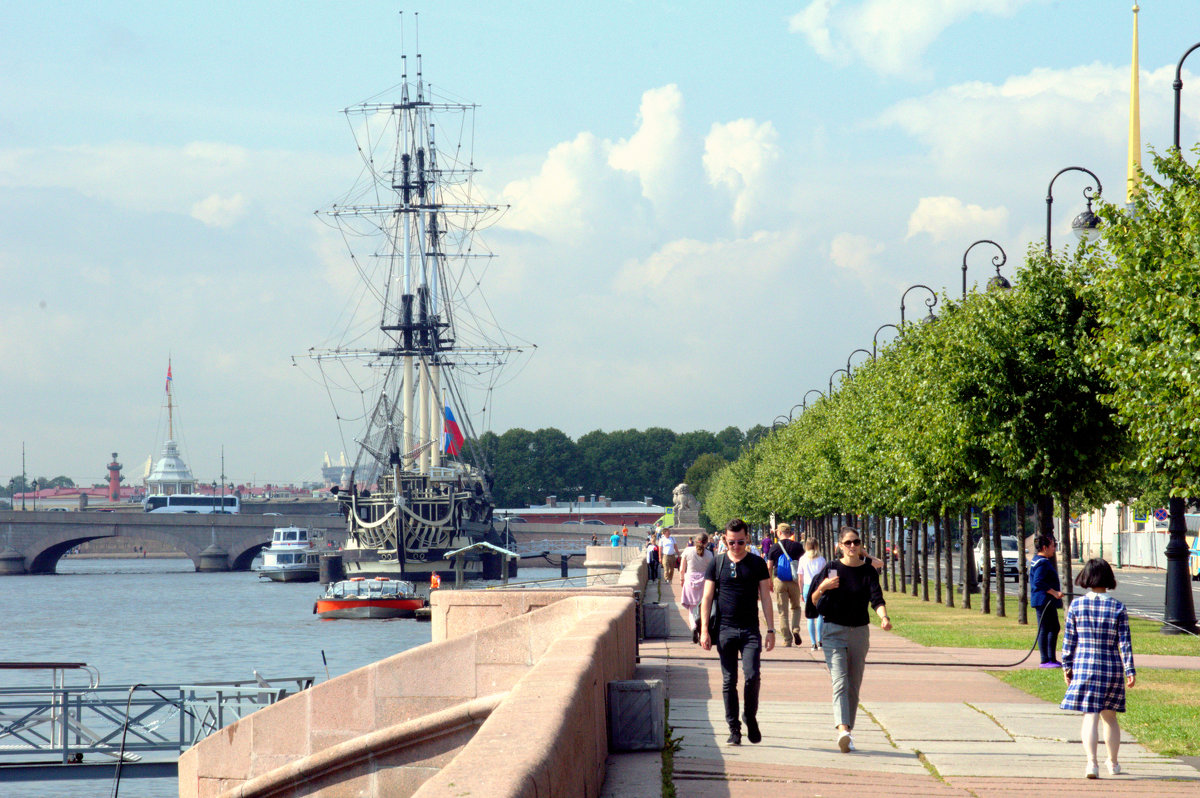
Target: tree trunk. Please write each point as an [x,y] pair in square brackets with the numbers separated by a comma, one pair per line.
[937,558]
[1066,549]
[967,560]
[1023,567]
[949,547]
[902,559]
[998,556]
[985,560]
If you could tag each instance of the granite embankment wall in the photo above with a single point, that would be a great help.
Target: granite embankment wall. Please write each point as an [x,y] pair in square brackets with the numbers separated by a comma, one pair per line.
[508,700]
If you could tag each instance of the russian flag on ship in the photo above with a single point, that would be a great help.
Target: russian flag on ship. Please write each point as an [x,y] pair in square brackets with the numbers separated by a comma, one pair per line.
[452,437]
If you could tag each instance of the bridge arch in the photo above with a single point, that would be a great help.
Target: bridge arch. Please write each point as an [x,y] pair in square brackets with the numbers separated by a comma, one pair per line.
[44,556]
[244,550]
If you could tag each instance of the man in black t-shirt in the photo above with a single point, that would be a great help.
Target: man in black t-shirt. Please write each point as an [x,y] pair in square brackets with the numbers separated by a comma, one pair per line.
[739,581]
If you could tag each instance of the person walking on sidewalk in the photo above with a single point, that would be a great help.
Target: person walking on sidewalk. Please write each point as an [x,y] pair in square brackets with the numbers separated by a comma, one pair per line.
[1045,595]
[782,562]
[1097,662]
[845,587]
[694,563]
[810,565]
[737,582]
[669,556]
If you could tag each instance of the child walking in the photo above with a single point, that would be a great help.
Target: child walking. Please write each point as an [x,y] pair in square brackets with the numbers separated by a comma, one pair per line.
[1097,661]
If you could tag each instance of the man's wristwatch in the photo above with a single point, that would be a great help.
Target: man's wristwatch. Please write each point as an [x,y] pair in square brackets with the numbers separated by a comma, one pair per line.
[770,631]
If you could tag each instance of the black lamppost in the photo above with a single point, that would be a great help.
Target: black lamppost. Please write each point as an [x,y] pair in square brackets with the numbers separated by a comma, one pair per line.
[804,401]
[1179,609]
[780,421]
[875,338]
[35,495]
[792,412]
[998,260]
[855,352]
[1178,86]
[1085,222]
[831,376]
[929,303]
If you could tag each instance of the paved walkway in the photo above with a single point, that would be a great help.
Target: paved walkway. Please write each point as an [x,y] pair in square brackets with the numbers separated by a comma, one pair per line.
[924,729]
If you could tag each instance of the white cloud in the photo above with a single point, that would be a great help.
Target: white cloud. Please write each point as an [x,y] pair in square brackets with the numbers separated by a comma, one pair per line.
[942,217]
[561,201]
[889,36]
[1042,120]
[654,152]
[217,211]
[854,253]
[742,156]
[689,272]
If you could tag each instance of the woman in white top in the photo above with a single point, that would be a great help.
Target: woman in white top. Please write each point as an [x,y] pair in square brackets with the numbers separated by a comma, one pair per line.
[810,565]
[693,563]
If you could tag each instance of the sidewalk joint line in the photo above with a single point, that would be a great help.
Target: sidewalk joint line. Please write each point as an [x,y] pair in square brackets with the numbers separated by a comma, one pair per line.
[992,718]
[862,708]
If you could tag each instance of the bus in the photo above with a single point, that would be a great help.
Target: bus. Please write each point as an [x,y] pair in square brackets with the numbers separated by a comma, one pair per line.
[191,503]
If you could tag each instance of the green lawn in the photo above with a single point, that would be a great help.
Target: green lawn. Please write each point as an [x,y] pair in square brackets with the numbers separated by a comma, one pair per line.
[1162,709]
[933,624]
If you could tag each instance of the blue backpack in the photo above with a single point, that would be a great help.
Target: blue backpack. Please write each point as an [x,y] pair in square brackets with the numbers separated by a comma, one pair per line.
[784,570]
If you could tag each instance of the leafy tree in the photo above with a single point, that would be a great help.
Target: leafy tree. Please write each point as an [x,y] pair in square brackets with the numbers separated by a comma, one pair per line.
[1147,282]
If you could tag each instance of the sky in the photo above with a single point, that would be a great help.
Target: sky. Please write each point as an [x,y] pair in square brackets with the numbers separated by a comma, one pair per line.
[710,205]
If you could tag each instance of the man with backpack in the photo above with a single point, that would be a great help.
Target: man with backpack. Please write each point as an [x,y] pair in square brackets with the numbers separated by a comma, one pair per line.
[781,560]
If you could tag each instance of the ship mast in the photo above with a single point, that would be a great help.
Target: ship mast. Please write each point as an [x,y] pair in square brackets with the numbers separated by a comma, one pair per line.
[415,203]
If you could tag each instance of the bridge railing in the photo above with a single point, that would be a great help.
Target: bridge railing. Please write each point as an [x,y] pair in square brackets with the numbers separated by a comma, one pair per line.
[69,724]
[536,548]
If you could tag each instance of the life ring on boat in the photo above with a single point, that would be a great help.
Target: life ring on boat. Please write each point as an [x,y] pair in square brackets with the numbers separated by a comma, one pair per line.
[382,579]
[358,579]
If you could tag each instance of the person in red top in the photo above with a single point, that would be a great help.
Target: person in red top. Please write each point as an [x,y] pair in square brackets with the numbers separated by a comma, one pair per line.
[624,535]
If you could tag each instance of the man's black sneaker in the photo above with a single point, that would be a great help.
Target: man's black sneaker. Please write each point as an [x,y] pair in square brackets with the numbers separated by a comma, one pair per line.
[752,732]
[796,638]
[735,738]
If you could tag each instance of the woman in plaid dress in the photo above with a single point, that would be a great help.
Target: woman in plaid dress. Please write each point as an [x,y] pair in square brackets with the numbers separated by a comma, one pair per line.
[1097,659]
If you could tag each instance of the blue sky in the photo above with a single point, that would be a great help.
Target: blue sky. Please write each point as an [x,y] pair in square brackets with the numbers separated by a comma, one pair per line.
[711,205]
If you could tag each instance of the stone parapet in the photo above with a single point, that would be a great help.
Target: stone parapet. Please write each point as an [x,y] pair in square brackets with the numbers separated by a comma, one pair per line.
[384,729]
[549,736]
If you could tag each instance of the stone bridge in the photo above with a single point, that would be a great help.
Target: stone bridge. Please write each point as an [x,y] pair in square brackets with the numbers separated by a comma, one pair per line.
[33,542]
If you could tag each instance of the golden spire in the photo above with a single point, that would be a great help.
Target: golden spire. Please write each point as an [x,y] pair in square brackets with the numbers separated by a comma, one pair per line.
[1133,180]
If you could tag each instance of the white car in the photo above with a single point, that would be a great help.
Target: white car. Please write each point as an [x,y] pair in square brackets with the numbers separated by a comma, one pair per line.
[1011,553]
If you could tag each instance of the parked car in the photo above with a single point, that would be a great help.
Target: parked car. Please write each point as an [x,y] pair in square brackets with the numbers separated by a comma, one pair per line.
[1011,555]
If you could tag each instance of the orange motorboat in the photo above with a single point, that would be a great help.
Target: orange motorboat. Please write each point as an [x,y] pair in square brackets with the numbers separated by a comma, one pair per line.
[361,598]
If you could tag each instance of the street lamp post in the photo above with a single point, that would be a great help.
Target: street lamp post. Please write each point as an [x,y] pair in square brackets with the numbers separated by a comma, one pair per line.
[1178,86]
[1085,222]
[866,352]
[929,303]
[875,338]
[1179,609]
[831,376]
[998,260]
[804,401]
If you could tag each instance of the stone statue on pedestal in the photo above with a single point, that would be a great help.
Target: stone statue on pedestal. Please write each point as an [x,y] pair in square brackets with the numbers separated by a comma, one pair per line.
[687,509]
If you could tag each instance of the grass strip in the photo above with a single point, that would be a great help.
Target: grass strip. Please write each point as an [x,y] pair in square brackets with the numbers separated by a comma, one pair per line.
[933,624]
[1162,710]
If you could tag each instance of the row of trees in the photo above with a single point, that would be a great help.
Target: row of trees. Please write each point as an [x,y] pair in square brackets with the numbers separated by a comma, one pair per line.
[1081,383]
[19,484]
[622,464]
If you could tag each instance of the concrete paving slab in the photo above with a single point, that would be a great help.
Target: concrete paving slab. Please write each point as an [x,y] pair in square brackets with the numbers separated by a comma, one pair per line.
[636,774]
[907,722]
[792,732]
[1043,721]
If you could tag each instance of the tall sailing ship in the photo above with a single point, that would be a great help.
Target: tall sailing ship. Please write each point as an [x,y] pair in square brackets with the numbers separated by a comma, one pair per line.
[420,486]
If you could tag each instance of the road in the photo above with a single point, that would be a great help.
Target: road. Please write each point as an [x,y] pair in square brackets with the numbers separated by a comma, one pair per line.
[1142,591]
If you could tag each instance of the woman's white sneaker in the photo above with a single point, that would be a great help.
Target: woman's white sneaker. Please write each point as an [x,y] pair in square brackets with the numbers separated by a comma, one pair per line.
[1092,771]
[845,743]
[1114,769]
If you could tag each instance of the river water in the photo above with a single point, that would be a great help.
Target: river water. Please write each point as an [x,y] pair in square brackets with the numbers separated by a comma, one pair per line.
[155,620]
